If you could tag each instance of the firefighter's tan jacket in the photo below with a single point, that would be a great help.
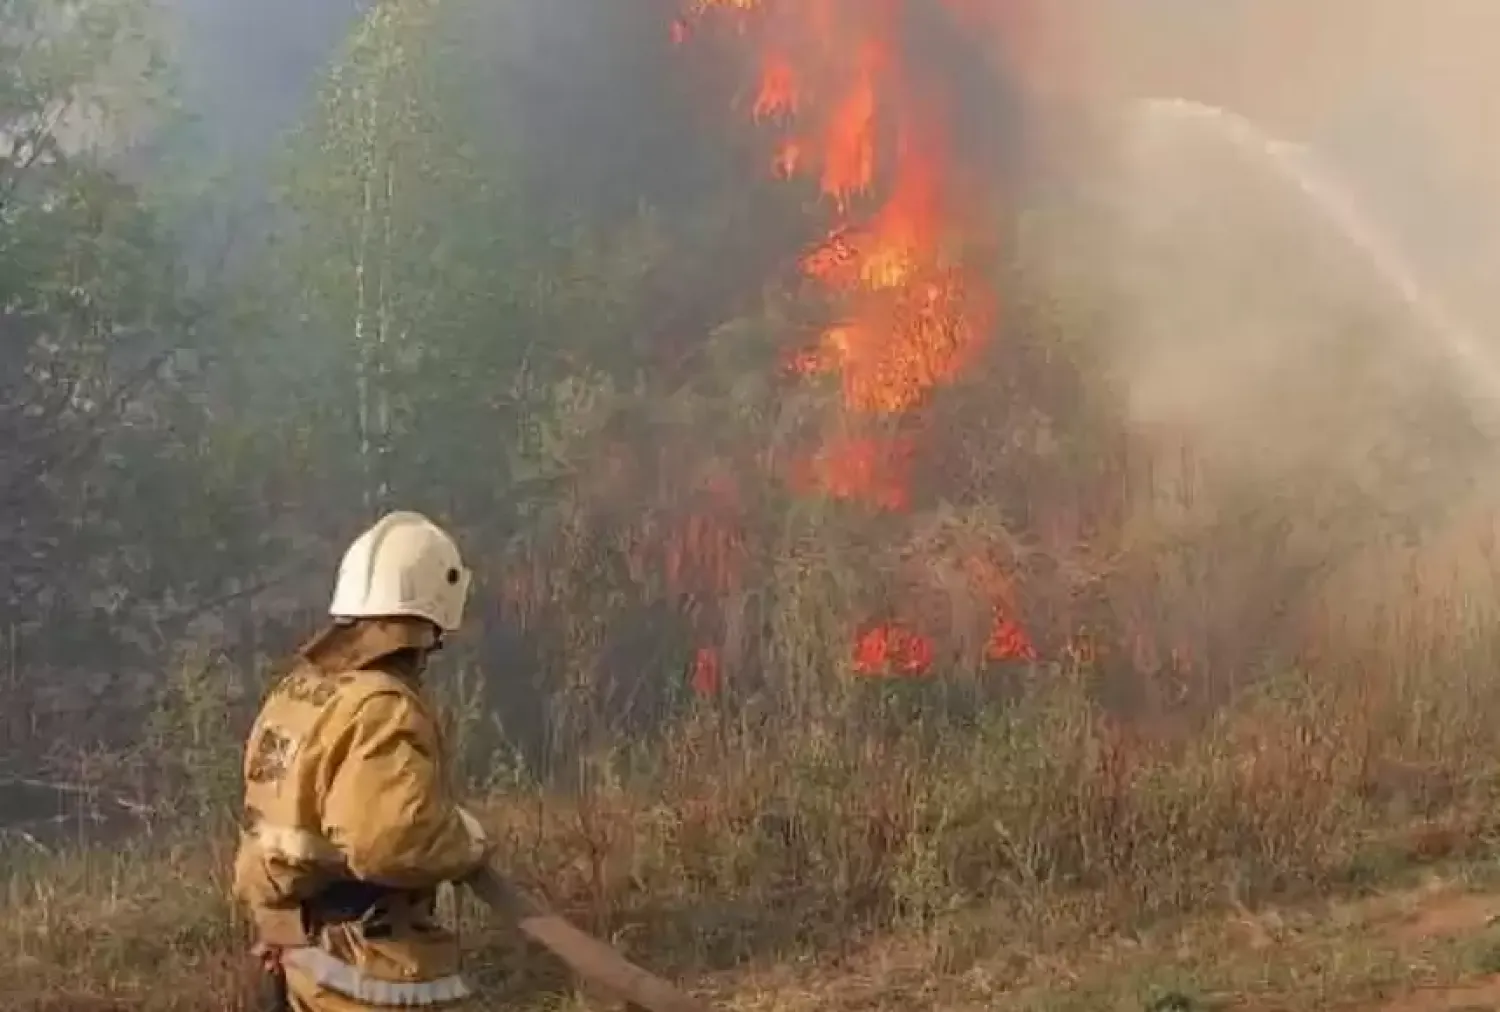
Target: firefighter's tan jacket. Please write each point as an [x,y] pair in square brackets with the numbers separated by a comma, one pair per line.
[345,783]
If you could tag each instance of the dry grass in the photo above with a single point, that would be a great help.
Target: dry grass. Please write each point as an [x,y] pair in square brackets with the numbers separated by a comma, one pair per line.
[1040,855]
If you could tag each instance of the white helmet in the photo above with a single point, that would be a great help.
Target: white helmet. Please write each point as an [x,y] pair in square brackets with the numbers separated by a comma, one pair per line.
[405,565]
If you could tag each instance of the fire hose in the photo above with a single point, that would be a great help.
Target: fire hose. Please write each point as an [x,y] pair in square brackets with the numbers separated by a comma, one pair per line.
[585,955]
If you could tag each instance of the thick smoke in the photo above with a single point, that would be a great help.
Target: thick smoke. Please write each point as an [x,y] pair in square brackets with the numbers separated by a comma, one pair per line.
[1295,224]
[1311,374]
[249,70]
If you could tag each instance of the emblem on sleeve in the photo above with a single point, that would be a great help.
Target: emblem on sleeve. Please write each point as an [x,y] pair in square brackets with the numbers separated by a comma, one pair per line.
[271,756]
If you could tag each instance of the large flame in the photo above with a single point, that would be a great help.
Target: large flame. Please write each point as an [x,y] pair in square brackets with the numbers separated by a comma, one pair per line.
[838,84]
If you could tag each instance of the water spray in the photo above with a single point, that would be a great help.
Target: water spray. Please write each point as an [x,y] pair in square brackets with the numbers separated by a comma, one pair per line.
[1295,165]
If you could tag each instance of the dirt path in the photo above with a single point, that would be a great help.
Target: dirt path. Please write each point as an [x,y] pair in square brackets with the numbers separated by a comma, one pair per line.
[1482,996]
[1448,915]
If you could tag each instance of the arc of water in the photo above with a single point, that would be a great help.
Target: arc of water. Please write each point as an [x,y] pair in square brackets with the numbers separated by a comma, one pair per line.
[1475,364]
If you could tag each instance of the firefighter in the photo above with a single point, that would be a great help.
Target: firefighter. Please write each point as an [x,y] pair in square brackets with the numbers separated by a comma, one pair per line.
[350,826]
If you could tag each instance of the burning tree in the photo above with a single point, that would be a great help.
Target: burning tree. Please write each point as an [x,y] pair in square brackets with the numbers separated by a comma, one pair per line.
[934,473]
[902,271]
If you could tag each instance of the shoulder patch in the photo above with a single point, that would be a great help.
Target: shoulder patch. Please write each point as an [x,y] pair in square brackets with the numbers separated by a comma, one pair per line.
[308,688]
[271,756]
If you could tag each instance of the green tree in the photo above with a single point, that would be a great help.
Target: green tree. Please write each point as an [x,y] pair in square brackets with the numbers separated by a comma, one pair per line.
[120,522]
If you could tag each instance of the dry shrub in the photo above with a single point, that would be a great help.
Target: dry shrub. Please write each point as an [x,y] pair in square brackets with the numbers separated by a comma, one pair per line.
[757,836]
[809,819]
[736,836]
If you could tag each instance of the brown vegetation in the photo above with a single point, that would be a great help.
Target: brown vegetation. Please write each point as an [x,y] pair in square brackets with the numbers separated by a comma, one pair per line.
[907,862]
[1211,496]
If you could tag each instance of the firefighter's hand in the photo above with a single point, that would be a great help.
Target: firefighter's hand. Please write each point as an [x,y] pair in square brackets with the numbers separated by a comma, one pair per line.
[269,957]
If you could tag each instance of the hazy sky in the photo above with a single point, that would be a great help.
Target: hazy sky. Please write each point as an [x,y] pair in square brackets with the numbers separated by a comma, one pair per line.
[249,66]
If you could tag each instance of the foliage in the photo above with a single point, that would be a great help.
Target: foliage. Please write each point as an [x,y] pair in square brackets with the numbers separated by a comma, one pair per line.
[551,306]
[994,852]
[431,312]
[90,318]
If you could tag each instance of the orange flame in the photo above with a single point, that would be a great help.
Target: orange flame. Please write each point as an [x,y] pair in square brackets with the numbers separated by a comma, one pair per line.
[907,318]
[835,79]
[890,649]
[1008,642]
[705,679]
[865,469]
[778,88]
